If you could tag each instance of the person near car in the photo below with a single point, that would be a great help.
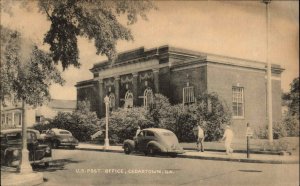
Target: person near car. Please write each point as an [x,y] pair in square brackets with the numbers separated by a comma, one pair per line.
[228,137]
[200,138]
[138,131]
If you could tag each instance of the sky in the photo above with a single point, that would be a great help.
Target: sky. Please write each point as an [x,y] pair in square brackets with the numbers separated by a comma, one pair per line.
[229,28]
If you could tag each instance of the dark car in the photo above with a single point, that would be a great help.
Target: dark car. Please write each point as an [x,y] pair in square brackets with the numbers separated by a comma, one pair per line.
[11,148]
[152,141]
[60,137]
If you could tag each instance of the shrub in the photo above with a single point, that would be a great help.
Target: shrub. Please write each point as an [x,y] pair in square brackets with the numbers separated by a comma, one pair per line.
[276,146]
[181,120]
[124,122]
[217,114]
[279,131]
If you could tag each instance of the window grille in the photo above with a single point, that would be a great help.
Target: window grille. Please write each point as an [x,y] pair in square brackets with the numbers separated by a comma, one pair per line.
[148,98]
[128,99]
[188,95]
[112,100]
[238,102]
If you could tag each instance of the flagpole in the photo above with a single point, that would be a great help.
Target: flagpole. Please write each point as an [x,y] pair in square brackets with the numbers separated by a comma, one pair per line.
[269,75]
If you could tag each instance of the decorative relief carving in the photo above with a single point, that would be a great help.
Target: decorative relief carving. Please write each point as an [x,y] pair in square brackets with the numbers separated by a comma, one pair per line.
[109,82]
[126,79]
[146,76]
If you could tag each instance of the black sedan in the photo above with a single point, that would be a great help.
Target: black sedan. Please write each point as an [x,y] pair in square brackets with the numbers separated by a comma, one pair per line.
[60,137]
[11,148]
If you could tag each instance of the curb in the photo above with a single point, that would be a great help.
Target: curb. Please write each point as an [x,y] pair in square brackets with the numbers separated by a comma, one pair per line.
[243,160]
[238,151]
[241,151]
[100,150]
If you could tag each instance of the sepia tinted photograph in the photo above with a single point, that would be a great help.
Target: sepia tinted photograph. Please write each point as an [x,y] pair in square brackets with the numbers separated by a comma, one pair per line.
[149,92]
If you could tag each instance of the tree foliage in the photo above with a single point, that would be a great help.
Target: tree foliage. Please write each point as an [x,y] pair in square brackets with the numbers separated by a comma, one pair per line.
[96,20]
[291,118]
[292,98]
[26,71]
[291,124]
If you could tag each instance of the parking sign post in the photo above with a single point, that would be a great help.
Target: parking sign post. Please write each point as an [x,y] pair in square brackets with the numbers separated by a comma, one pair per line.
[249,134]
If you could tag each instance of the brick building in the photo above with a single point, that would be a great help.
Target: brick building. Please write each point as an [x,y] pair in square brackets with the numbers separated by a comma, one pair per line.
[181,75]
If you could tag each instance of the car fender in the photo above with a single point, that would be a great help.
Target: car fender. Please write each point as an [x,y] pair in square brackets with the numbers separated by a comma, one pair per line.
[156,145]
[129,142]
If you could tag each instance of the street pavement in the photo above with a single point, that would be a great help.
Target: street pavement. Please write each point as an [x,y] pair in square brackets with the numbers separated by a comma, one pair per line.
[89,168]
[190,153]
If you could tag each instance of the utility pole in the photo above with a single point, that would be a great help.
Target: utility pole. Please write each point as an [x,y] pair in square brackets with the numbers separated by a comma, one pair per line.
[269,76]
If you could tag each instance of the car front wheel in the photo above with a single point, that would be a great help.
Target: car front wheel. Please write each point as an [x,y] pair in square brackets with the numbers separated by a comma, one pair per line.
[127,149]
[151,151]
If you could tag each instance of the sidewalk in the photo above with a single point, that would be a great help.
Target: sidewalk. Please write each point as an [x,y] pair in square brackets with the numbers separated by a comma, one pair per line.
[210,155]
[10,177]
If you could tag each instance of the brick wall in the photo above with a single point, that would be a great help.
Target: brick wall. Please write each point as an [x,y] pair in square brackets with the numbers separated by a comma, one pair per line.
[179,78]
[222,78]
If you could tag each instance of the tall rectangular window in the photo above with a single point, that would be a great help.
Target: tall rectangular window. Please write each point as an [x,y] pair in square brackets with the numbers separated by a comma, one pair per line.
[238,102]
[188,95]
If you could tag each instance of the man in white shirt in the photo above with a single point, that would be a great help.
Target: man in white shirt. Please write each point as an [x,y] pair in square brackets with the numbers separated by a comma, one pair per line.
[138,131]
[200,138]
[228,136]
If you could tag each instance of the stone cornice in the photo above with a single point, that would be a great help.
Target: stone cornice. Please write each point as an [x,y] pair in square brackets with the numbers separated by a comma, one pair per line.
[85,82]
[131,68]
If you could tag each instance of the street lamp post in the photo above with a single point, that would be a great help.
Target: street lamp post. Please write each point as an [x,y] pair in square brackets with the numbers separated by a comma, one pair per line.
[106,141]
[269,76]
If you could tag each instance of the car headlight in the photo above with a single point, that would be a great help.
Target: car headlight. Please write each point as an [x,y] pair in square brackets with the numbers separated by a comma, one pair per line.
[48,150]
[16,153]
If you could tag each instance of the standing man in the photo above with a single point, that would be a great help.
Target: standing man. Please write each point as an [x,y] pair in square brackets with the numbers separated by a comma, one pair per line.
[228,136]
[200,137]
[138,130]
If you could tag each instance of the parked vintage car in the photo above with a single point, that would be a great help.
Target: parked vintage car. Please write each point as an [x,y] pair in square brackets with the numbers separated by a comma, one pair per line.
[11,148]
[60,137]
[152,141]
[99,137]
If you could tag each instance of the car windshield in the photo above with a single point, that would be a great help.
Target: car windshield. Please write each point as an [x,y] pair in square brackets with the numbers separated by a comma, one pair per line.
[17,137]
[14,137]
